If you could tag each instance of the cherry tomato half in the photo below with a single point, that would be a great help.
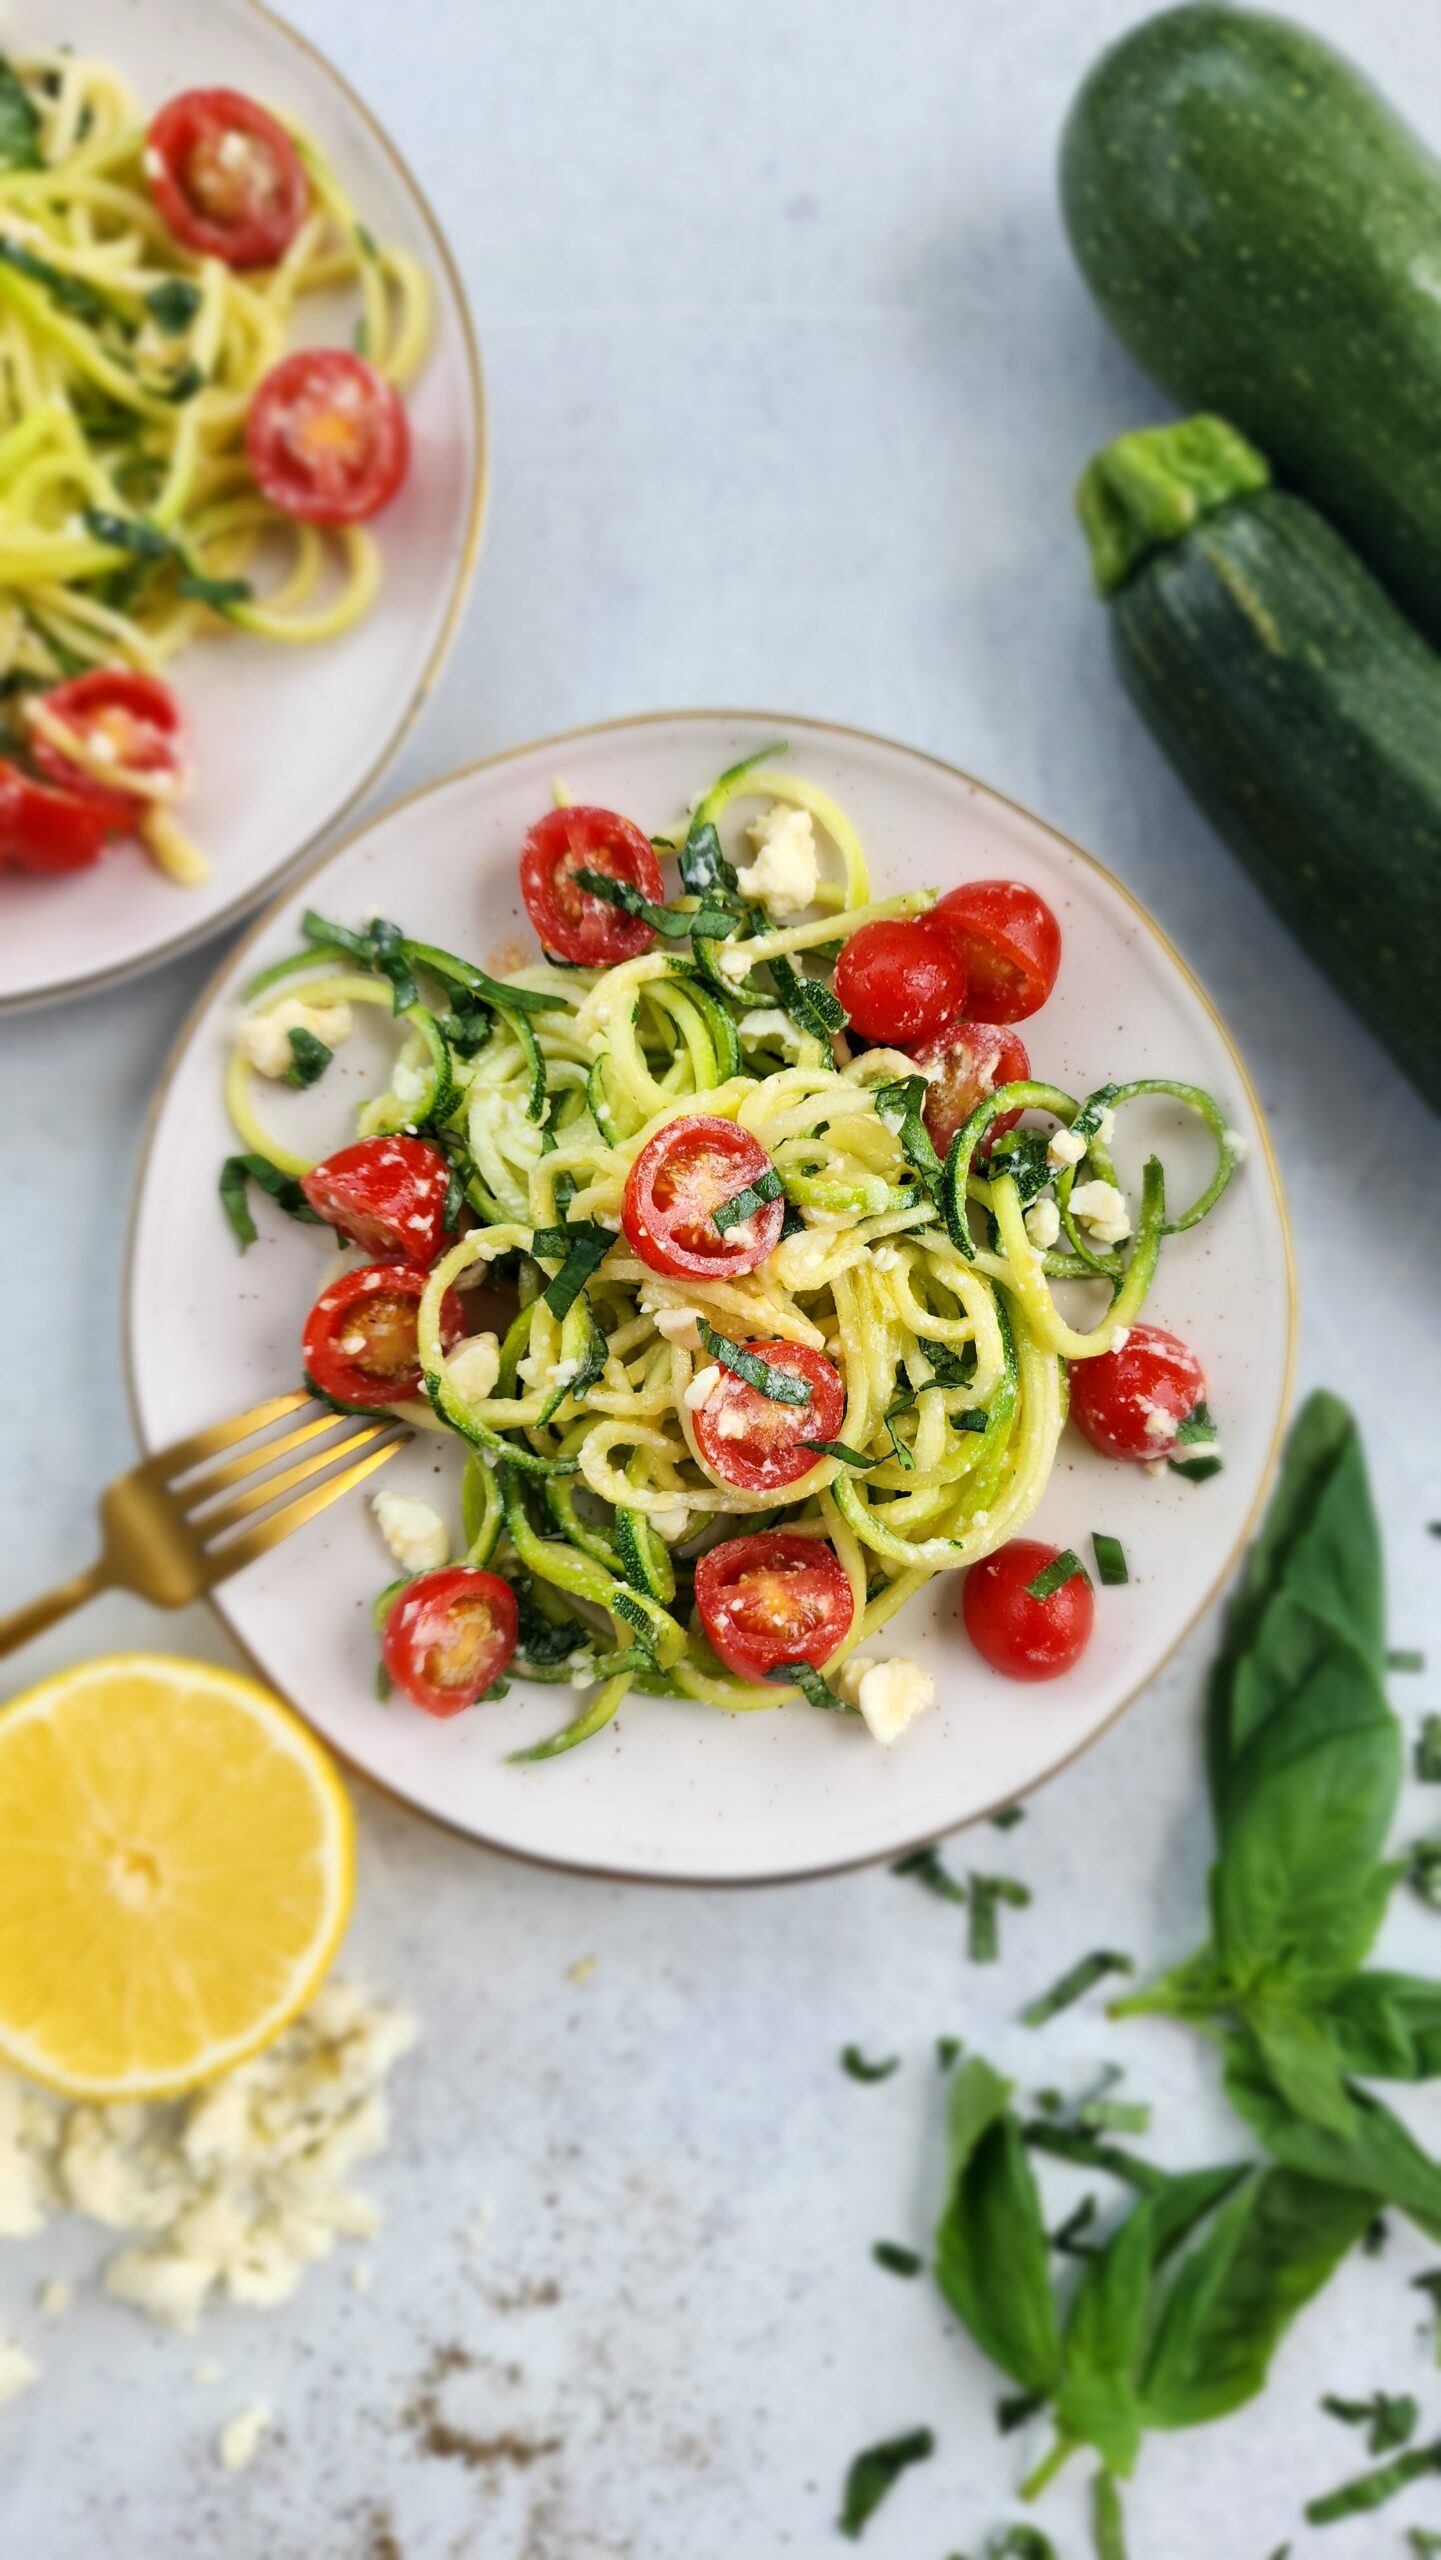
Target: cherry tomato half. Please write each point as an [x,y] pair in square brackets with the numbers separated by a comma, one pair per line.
[448,1636]
[1009,942]
[45,830]
[130,719]
[226,179]
[1128,1403]
[969,1063]
[326,437]
[359,1345]
[680,1178]
[1027,1639]
[387,1194]
[572,922]
[773,1598]
[750,1440]
[901,981]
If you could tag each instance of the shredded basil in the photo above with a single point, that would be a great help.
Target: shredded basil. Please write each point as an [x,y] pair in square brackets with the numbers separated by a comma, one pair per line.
[897,2260]
[781,1385]
[1075,1984]
[703,866]
[238,1172]
[580,1249]
[1111,1565]
[951,1368]
[181,386]
[70,293]
[875,2472]
[309,1057]
[856,2067]
[1053,1577]
[1067,2238]
[1390,2420]
[173,305]
[813,1687]
[1017,2410]
[1196,1428]
[712,924]
[1405,1658]
[840,1449]
[987,1893]
[1008,1817]
[1423,1871]
[744,1204]
[1022,1153]
[902,1107]
[1113,2115]
[365,240]
[1195,1470]
[19,122]
[465,1029]
[1428,1751]
[146,542]
[1358,2497]
[810,1005]
[927,1868]
[948,2052]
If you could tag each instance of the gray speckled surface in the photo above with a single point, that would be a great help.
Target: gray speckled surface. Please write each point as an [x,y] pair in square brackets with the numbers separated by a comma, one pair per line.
[790,378]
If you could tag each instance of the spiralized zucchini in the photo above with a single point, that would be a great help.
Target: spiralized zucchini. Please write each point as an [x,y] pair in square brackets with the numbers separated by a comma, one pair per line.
[129,522]
[920,1282]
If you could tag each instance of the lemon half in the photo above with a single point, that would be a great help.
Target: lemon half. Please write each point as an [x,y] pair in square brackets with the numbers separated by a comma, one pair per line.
[176,1870]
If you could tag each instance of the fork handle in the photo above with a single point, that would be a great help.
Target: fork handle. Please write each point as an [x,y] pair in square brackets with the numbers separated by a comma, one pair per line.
[39,1614]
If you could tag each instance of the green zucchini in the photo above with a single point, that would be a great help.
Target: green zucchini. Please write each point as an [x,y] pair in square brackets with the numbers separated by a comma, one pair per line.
[1264,234]
[1300,707]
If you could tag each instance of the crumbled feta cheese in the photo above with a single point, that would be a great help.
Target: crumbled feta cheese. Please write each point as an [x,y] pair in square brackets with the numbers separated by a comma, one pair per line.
[784,873]
[582,1671]
[238,2443]
[17,2371]
[56,2297]
[29,2135]
[890,1694]
[265,1038]
[561,1372]
[1105,1128]
[473,1368]
[733,964]
[413,1530]
[800,1261]
[207,2373]
[671,1523]
[1160,1425]
[732,1422]
[767,1022]
[1102,1208]
[1239,1144]
[677,1324]
[702,1387]
[360,2276]
[1065,1147]
[408,1083]
[1043,1222]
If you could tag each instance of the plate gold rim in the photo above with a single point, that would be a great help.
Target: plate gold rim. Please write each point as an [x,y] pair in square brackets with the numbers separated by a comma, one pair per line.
[314,846]
[772,724]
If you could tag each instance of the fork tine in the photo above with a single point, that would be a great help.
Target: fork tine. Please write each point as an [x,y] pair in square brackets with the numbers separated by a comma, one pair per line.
[223,1435]
[221,1562]
[210,1523]
[215,1479]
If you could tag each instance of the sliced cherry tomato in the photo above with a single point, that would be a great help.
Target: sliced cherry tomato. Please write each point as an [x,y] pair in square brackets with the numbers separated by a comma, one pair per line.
[448,1636]
[387,1194]
[901,981]
[1009,942]
[572,922]
[753,1441]
[773,1598]
[131,720]
[326,437]
[359,1345]
[969,1063]
[226,179]
[45,830]
[1129,1403]
[1027,1639]
[677,1182]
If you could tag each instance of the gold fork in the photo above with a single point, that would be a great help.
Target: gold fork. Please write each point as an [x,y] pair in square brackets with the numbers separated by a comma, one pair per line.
[163,1539]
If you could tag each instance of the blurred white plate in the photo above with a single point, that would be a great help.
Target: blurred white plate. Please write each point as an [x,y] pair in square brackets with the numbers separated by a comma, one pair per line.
[286,740]
[678,1791]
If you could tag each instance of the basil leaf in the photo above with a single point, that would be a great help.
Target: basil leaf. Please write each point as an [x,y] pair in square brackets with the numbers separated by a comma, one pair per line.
[809,1004]
[744,1204]
[703,866]
[816,1690]
[309,1057]
[1358,2497]
[1111,1563]
[1302,2064]
[1267,2253]
[1376,2162]
[991,2258]
[19,122]
[238,1172]
[711,923]
[128,533]
[1053,1577]
[874,2473]
[1386,2026]
[840,1449]
[1022,1153]
[950,1368]
[856,2067]
[986,1894]
[1195,1470]
[896,2260]
[69,293]
[179,387]
[925,1865]
[1391,2421]
[781,1385]
[389,955]
[1101,2348]
[902,1107]
[1196,1428]
[173,304]
[1081,1978]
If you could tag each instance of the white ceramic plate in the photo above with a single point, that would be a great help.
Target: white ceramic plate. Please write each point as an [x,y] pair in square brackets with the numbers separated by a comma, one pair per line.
[285,740]
[673,1791]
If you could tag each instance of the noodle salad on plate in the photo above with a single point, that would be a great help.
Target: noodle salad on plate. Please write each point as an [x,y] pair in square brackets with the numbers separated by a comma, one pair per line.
[725,1237]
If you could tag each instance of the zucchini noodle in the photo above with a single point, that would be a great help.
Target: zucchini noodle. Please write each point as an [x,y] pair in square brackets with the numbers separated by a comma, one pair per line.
[585,1482]
[129,520]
